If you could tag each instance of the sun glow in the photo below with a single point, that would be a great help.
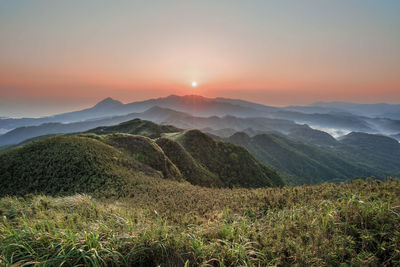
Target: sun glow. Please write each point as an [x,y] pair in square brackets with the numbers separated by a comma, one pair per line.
[194,84]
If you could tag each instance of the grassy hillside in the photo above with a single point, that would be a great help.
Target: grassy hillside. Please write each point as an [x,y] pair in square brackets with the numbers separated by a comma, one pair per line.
[297,162]
[192,170]
[234,165]
[137,127]
[146,151]
[112,163]
[378,151]
[69,164]
[176,224]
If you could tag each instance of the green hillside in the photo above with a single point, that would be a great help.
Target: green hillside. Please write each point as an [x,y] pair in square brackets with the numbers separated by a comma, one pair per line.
[192,170]
[377,151]
[146,151]
[233,164]
[69,164]
[297,162]
[137,127]
[110,164]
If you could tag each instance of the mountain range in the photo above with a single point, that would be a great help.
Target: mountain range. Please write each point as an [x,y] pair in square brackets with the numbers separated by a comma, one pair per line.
[117,158]
[318,115]
[310,144]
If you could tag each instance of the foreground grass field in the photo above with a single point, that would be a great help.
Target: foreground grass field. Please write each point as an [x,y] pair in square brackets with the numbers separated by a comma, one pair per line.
[178,224]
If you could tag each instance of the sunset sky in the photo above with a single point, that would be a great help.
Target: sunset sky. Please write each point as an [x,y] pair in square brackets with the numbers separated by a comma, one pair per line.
[61,55]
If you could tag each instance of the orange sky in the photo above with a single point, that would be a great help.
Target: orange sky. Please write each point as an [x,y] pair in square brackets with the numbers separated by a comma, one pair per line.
[72,54]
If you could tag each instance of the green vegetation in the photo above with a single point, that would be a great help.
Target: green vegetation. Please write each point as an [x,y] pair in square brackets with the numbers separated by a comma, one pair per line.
[377,151]
[299,163]
[233,164]
[192,170]
[69,164]
[109,165]
[119,199]
[146,151]
[138,127]
[171,223]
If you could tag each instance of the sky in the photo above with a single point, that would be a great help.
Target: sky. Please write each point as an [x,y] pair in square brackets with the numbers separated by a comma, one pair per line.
[56,56]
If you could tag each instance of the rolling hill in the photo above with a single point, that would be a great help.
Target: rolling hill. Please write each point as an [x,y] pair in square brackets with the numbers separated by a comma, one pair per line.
[297,162]
[144,150]
[234,165]
[376,151]
[193,171]
[312,137]
[66,165]
[112,162]
[138,127]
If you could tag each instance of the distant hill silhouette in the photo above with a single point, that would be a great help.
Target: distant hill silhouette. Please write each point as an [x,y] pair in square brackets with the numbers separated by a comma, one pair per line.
[327,116]
[137,126]
[313,137]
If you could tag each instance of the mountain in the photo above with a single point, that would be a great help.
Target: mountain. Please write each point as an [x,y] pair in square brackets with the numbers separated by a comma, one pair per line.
[69,164]
[321,117]
[192,104]
[155,114]
[22,133]
[393,116]
[105,108]
[297,162]
[378,151]
[144,150]
[108,103]
[233,165]
[137,126]
[369,110]
[115,160]
[396,136]
[381,110]
[247,104]
[311,136]
[332,120]
[197,106]
[193,171]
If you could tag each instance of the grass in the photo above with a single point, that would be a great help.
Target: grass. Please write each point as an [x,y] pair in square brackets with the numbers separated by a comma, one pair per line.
[171,223]
[65,165]
[145,151]
[234,165]
[110,164]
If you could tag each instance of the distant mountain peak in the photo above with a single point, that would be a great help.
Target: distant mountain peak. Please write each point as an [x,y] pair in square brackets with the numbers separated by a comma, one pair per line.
[108,102]
[188,97]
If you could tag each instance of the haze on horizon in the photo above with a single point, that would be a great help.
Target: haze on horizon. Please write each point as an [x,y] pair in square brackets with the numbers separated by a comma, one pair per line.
[58,56]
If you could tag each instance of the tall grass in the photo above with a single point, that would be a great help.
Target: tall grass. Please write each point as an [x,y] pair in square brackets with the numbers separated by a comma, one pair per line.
[177,224]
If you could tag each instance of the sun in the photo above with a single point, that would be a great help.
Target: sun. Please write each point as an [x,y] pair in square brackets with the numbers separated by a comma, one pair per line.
[194,84]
